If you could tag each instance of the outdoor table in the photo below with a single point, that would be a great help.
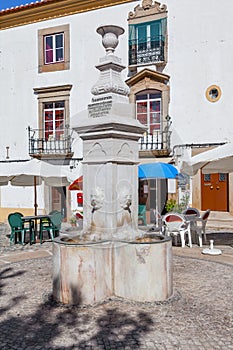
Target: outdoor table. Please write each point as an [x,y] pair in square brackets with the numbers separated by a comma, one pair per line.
[33,218]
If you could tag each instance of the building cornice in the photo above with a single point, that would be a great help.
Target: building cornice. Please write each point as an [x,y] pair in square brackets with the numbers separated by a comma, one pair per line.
[48,89]
[50,9]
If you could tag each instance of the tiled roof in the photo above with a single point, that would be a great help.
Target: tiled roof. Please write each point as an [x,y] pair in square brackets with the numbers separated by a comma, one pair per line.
[47,9]
[26,6]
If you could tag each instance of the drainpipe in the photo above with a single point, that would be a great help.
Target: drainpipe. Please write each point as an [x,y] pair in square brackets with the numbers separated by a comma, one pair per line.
[196,145]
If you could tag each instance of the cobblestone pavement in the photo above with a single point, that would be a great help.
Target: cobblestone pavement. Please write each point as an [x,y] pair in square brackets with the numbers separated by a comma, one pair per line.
[199,315]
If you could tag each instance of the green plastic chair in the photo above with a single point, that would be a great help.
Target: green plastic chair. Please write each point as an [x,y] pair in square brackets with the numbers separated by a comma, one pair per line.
[18,231]
[26,224]
[142,213]
[52,226]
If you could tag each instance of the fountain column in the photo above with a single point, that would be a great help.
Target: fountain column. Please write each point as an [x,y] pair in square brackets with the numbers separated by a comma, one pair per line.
[110,136]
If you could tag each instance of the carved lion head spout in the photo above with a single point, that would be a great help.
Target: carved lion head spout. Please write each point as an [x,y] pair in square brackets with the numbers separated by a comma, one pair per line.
[125,200]
[97,199]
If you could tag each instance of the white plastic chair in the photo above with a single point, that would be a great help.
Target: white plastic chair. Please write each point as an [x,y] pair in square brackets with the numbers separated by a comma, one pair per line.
[175,224]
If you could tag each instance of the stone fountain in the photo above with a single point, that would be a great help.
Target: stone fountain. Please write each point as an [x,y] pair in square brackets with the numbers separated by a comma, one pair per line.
[111,256]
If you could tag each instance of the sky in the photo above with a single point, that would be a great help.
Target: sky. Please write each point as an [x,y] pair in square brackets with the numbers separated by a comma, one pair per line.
[4,4]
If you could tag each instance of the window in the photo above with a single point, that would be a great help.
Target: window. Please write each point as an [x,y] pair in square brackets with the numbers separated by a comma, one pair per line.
[54,120]
[148,110]
[52,135]
[213,93]
[207,177]
[150,92]
[54,49]
[147,42]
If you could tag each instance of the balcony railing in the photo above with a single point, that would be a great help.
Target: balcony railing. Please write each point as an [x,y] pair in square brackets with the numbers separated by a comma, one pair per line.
[158,141]
[150,51]
[51,145]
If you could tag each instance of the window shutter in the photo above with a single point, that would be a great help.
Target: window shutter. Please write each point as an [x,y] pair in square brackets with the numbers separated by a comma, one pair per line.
[142,34]
[155,31]
[132,32]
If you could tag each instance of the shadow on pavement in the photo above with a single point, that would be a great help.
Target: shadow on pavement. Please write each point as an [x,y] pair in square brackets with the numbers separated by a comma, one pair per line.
[46,326]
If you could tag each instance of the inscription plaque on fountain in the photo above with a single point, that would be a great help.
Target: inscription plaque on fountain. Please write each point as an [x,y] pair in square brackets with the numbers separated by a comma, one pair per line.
[100,107]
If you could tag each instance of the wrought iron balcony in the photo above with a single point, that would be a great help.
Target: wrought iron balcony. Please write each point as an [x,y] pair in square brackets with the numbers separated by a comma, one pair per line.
[159,142]
[48,143]
[150,51]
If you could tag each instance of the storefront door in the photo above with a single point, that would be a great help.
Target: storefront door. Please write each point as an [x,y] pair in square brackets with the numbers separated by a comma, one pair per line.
[214,192]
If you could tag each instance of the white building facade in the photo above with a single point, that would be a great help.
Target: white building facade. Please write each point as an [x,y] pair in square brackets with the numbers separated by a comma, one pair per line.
[179,69]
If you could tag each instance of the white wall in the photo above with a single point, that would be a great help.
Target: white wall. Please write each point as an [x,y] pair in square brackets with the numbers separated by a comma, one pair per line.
[200,55]
[19,71]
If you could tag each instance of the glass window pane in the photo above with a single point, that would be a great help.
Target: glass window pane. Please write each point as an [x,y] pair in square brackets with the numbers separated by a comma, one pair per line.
[142,118]
[155,118]
[222,177]
[141,107]
[155,30]
[48,115]
[155,95]
[142,34]
[59,115]
[154,128]
[60,104]
[141,97]
[59,55]
[49,56]
[48,105]
[155,106]
[59,40]
[48,42]
[207,177]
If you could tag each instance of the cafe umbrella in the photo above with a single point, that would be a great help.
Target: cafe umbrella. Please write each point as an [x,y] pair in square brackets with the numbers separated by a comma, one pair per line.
[157,171]
[33,172]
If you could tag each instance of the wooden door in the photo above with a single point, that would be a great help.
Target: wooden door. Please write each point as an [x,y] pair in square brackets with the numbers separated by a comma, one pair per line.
[214,192]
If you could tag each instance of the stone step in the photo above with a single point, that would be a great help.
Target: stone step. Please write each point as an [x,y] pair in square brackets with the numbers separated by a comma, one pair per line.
[220,221]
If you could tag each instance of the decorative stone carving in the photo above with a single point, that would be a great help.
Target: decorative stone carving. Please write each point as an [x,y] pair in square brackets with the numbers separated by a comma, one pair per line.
[125,151]
[125,199]
[146,4]
[148,8]
[97,198]
[110,81]
[96,151]
[110,36]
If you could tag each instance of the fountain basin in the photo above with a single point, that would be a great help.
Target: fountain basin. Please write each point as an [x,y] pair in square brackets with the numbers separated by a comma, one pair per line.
[143,269]
[87,272]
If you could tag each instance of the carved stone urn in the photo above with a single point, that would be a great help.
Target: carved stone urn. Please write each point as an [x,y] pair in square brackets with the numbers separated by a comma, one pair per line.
[110,36]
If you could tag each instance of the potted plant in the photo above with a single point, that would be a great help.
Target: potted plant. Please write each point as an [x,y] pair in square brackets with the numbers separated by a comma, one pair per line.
[73,221]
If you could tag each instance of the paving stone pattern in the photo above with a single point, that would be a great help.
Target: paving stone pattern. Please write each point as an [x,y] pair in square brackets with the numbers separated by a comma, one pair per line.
[198,316]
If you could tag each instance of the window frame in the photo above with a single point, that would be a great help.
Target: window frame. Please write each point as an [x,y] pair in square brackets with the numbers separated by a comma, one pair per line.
[56,65]
[210,97]
[148,113]
[54,49]
[56,111]
[154,44]
[53,94]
